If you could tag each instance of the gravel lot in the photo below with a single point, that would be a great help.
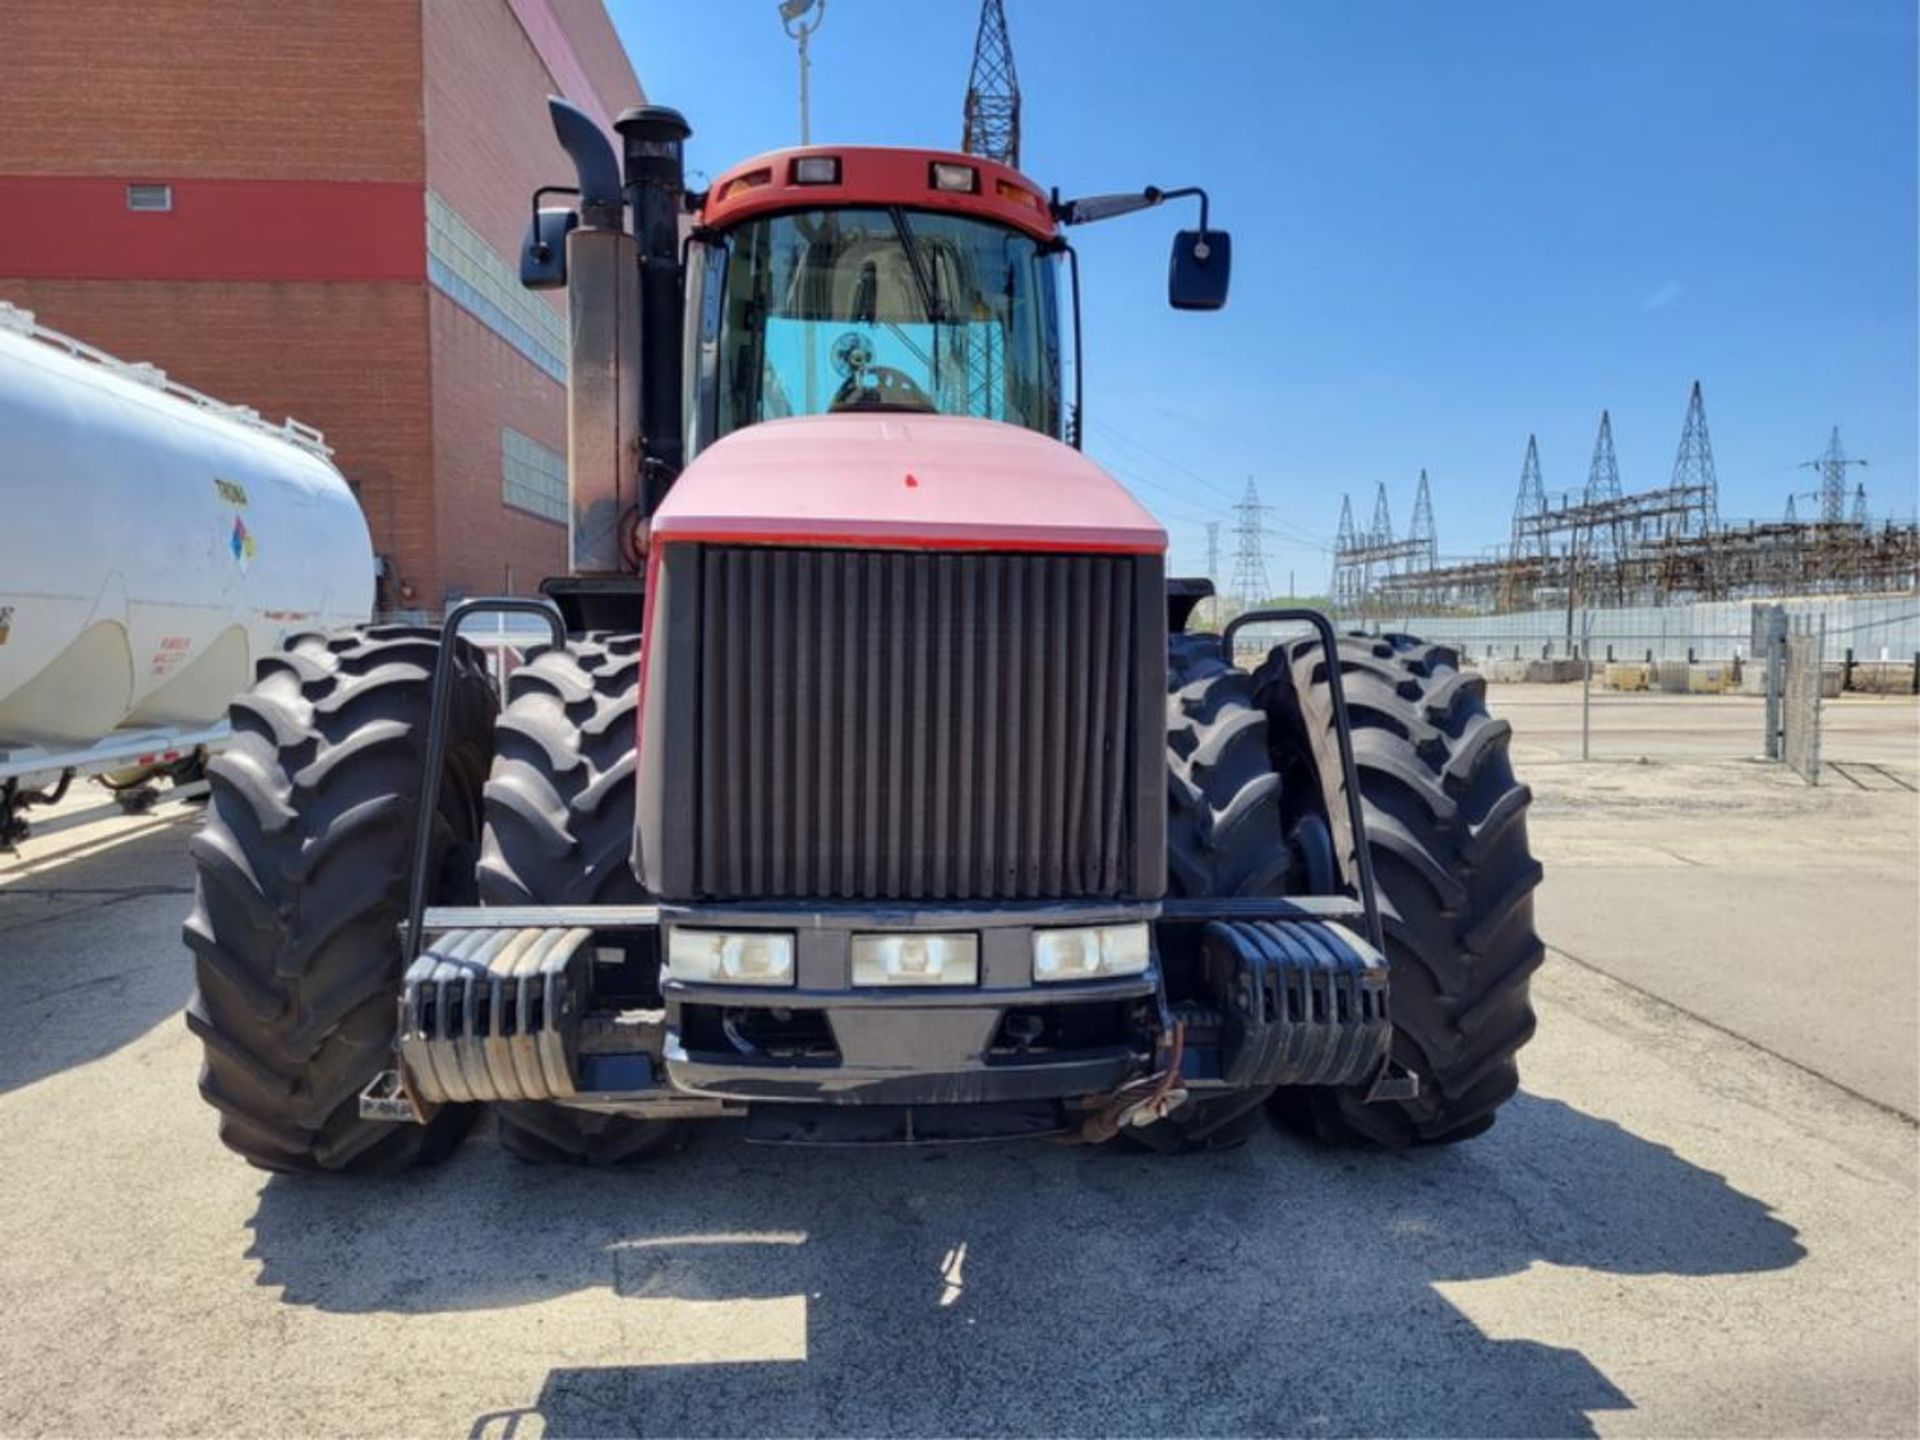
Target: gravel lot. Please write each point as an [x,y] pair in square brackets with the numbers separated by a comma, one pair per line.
[1674,1230]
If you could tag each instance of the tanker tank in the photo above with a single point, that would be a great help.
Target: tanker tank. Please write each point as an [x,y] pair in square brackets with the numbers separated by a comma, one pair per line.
[156,543]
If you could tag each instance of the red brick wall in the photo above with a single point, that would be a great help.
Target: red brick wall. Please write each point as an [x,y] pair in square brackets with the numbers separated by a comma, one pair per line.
[488,144]
[160,89]
[350,359]
[481,383]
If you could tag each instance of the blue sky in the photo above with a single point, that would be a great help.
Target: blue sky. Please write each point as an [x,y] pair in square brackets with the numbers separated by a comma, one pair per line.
[1454,224]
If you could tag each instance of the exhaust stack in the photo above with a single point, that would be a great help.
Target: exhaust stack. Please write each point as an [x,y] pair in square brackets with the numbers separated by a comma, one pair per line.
[654,136]
[603,359]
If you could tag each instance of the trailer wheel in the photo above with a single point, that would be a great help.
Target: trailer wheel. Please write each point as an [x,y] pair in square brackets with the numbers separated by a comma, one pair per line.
[1446,824]
[1225,836]
[559,831]
[303,869]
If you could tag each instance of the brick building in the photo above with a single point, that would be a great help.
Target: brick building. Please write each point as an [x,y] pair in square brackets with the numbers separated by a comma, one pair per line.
[315,208]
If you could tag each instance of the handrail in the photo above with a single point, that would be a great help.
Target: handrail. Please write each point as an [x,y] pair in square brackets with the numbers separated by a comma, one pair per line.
[437,741]
[1343,733]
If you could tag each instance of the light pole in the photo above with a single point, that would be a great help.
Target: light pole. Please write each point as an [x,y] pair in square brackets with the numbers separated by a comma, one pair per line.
[794,19]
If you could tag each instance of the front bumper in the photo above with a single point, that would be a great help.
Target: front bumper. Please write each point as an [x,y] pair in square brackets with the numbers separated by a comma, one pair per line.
[826,1040]
[504,1005]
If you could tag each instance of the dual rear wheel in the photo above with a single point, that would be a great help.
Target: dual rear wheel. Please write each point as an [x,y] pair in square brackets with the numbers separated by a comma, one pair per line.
[1257,806]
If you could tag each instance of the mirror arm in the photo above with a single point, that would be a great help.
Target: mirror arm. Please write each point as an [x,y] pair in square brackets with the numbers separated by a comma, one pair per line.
[1182,193]
[541,250]
[1105,207]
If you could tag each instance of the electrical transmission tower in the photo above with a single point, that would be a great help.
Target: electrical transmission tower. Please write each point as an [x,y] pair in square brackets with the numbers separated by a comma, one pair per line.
[1420,532]
[1793,514]
[1860,505]
[1695,486]
[1250,585]
[1529,506]
[1379,537]
[1603,483]
[993,92]
[1213,553]
[1346,584]
[1832,466]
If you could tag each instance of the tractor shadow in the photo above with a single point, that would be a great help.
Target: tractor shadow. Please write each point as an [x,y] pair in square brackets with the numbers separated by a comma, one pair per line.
[90,948]
[1031,1288]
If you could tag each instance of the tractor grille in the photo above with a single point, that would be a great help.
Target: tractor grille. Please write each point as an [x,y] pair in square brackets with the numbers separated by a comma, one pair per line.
[903,725]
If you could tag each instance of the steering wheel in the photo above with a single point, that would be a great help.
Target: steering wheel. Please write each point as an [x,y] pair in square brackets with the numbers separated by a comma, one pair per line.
[890,389]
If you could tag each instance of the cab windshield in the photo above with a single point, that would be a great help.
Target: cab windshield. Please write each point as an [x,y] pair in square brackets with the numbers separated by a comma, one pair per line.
[877,310]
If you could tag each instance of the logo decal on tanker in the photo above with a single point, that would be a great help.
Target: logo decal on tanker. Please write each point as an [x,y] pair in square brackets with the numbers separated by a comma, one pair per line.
[239,538]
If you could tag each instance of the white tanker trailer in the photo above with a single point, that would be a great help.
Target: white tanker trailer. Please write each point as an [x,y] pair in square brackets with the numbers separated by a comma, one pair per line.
[154,544]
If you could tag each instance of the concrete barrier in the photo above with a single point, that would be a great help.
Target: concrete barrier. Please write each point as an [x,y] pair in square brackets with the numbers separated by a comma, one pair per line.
[1628,677]
[1552,672]
[1709,679]
[1883,677]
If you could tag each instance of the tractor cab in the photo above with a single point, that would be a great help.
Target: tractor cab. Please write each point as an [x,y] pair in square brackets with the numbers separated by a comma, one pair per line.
[826,281]
[814,281]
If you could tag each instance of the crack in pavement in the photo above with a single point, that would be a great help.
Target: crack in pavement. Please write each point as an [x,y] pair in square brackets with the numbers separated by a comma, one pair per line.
[1732,1034]
[106,899]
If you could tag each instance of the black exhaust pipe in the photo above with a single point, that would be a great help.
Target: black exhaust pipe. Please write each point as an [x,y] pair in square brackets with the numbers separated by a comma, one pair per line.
[656,198]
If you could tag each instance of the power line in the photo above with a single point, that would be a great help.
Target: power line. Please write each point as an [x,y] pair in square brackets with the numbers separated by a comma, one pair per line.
[1298,533]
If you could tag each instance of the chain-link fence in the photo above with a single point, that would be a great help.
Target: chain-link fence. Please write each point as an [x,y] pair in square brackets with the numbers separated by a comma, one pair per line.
[1691,682]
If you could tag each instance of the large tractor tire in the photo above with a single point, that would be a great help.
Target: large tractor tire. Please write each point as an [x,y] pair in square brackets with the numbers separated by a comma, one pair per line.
[559,831]
[1224,837]
[1446,828]
[304,866]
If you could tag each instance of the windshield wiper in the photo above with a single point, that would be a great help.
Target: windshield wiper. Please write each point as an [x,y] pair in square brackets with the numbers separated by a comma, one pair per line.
[917,263]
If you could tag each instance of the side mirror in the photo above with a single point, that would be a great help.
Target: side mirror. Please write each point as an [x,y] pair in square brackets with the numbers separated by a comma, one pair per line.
[543,255]
[1197,274]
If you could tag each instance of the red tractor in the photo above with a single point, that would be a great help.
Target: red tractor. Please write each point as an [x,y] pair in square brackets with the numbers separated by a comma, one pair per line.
[871,787]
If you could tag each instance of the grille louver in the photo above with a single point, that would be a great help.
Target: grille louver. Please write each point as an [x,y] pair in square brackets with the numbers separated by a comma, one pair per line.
[909,725]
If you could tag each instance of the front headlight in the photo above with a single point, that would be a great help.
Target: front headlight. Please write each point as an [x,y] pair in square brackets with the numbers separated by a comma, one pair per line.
[1091,952]
[916,959]
[730,957]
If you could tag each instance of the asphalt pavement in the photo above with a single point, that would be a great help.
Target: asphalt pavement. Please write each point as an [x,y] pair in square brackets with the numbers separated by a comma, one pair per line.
[1675,1229]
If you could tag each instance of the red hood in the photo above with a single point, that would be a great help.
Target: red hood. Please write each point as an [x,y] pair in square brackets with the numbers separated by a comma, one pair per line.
[936,481]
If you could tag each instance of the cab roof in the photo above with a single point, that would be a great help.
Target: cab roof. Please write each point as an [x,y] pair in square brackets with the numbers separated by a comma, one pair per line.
[878,176]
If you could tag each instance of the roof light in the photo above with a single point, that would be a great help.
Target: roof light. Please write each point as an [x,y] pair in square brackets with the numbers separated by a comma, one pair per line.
[962,178]
[817,170]
[1019,195]
[752,180]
